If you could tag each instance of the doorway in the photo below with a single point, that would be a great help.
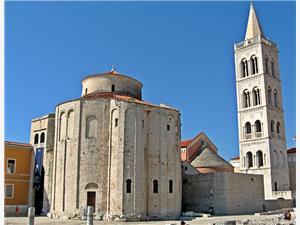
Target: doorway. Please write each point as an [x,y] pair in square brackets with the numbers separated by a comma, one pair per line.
[91,199]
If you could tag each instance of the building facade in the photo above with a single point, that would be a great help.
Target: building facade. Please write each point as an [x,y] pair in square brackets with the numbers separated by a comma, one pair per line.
[113,151]
[260,114]
[203,155]
[18,159]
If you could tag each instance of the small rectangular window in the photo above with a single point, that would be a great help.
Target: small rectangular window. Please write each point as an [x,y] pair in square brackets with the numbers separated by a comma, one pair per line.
[170,186]
[116,122]
[168,127]
[9,191]
[112,88]
[11,165]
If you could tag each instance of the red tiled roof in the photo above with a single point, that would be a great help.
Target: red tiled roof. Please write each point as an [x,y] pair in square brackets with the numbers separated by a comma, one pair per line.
[291,150]
[121,98]
[185,143]
[18,143]
[237,157]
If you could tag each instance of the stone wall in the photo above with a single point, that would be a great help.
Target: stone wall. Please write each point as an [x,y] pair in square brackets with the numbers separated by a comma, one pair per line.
[226,193]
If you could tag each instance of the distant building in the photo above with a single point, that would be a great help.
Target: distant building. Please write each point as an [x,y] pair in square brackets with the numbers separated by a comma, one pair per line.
[202,154]
[18,159]
[291,154]
[111,150]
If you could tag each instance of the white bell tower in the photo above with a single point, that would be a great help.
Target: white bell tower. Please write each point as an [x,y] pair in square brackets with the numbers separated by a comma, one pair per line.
[260,115]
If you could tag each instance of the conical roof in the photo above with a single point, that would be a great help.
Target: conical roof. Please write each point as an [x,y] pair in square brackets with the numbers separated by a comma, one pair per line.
[208,158]
[253,27]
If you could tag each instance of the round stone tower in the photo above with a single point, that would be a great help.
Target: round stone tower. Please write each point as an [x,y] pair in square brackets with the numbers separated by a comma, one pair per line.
[116,153]
[112,82]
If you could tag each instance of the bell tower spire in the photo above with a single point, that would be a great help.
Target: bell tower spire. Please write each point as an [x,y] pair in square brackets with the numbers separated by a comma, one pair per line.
[253,28]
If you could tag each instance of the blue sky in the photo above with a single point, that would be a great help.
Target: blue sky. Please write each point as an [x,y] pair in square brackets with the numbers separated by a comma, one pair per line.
[181,51]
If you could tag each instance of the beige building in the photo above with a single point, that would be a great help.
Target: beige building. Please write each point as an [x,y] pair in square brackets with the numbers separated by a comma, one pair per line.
[111,150]
[261,127]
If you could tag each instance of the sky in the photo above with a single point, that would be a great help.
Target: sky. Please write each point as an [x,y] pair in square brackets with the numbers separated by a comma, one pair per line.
[181,51]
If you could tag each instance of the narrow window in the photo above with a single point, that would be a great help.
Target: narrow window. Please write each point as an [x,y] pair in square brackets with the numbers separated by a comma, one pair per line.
[249,159]
[128,186]
[116,122]
[275,98]
[258,126]
[155,186]
[9,191]
[168,127]
[244,68]
[272,69]
[36,139]
[170,186]
[272,126]
[259,157]
[278,128]
[11,166]
[113,88]
[248,128]
[256,96]
[269,96]
[246,99]
[266,64]
[275,184]
[254,67]
[86,90]
[42,138]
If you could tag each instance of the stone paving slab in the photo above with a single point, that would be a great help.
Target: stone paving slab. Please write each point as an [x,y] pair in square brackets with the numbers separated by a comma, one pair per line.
[241,219]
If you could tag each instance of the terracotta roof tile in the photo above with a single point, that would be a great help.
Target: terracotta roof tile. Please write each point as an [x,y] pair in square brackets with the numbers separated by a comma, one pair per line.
[237,157]
[291,150]
[121,98]
[185,143]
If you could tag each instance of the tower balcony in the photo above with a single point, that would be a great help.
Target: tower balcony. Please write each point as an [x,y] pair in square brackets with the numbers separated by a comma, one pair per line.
[254,40]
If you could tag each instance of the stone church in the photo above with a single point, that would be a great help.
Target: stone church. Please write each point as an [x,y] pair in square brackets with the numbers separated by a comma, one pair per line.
[111,150]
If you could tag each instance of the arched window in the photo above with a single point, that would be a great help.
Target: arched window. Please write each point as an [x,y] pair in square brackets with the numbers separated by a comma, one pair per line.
[63,126]
[128,186]
[275,98]
[269,96]
[70,124]
[259,158]
[257,126]
[256,96]
[266,64]
[36,138]
[275,186]
[244,68]
[170,186]
[91,127]
[246,99]
[155,186]
[42,140]
[272,68]
[248,128]
[278,128]
[254,67]
[249,159]
[272,125]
